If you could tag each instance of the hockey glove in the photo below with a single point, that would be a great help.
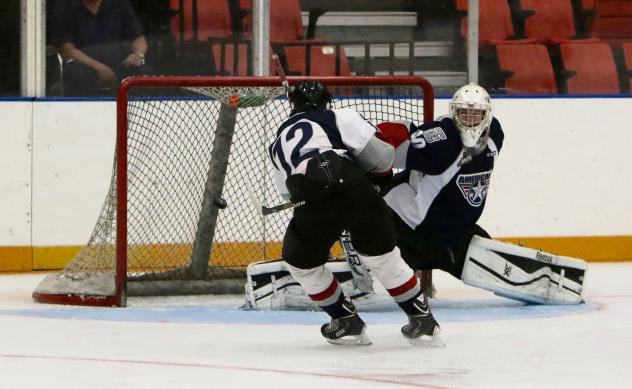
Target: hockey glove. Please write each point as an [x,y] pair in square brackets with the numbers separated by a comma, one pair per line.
[396,132]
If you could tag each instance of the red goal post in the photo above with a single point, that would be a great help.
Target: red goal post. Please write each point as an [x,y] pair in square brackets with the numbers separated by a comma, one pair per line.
[183,145]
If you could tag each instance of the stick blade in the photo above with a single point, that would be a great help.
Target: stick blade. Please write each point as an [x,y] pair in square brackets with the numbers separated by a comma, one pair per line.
[255,201]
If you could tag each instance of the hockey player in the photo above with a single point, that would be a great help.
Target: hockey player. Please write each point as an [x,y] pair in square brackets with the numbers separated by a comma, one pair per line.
[323,156]
[439,196]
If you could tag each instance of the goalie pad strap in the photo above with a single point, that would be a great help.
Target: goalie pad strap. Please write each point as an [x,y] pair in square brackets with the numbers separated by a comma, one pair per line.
[522,273]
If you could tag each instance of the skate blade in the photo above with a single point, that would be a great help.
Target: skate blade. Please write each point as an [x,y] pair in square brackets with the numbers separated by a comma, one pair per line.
[431,341]
[352,340]
[427,341]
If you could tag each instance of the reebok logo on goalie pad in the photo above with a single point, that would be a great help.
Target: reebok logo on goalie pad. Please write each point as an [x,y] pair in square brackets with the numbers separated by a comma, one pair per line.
[474,187]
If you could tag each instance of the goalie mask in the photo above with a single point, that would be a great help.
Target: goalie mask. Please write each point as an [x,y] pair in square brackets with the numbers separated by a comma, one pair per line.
[471,111]
[309,94]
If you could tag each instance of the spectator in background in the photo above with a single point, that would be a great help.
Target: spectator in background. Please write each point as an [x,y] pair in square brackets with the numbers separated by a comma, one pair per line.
[101,42]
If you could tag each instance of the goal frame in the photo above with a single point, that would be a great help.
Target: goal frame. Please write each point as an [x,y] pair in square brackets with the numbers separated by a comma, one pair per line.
[121,245]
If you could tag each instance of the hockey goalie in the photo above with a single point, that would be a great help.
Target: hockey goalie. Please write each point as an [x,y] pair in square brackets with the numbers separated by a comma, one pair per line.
[436,197]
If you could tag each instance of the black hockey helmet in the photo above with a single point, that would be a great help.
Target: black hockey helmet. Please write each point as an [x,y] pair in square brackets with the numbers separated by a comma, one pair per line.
[309,94]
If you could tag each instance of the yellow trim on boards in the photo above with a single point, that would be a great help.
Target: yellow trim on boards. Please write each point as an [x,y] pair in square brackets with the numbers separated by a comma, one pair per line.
[589,248]
[16,258]
[53,257]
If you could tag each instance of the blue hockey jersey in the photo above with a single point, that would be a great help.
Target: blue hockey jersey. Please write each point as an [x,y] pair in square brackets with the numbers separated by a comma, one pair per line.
[441,192]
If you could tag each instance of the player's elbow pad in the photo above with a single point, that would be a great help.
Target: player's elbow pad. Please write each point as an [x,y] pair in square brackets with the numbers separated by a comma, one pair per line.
[376,157]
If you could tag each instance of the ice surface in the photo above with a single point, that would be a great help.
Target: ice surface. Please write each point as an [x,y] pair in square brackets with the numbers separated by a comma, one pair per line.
[209,342]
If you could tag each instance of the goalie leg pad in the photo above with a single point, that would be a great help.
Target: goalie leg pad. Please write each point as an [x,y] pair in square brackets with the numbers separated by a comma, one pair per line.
[269,285]
[523,274]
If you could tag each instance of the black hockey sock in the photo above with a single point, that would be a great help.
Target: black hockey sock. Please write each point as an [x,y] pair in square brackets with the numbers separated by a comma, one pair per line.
[341,308]
[415,306]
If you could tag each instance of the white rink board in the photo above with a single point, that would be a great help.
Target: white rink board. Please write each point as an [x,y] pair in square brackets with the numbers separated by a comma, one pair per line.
[565,168]
[15,173]
[73,157]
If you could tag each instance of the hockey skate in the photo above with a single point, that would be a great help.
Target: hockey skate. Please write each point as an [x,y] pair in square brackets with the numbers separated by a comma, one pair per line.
[346,330]
[423,329]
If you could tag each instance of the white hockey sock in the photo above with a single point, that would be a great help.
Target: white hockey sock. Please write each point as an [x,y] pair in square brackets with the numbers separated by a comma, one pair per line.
[319,283]
[394,274]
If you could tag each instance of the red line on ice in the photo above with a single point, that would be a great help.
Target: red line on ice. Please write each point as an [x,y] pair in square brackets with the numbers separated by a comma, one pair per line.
[211,366]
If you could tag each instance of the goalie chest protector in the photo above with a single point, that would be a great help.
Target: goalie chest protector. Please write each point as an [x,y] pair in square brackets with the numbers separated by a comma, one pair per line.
[443,189]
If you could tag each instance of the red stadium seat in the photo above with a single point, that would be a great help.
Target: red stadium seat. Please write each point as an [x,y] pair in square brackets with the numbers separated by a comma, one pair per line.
[613,8]
[627,55]
[286,24]
[588,4]
[614,31]
[495,23]
[231,63]
[531,68]
[606,28]
[213,19]
[593,68]
[552,21]
[322,61]
[225,62]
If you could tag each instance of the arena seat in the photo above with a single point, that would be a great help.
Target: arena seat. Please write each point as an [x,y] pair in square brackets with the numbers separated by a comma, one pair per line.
[614,31]
[234,63]
[551,22]
[588,4]
[612,28]
[613,8]
[286,23]
[213,19]
[590,67]
[627,56]
[531,68]
[322,60]
[228,62]
[584,11]
[494,21]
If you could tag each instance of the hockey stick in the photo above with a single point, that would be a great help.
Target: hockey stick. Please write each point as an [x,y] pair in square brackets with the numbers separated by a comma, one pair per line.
[263,210]
[281,73]
[361,278]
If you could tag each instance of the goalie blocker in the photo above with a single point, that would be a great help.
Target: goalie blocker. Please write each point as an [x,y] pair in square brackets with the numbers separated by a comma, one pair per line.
[523,274]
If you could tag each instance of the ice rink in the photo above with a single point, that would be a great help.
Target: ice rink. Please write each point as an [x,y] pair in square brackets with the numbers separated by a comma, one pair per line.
[209,342]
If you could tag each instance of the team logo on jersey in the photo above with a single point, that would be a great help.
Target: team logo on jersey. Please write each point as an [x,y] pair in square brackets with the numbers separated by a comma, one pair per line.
[434,135]
[474,187]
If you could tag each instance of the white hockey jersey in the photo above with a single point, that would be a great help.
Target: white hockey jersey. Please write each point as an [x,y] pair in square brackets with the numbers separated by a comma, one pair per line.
[307,134]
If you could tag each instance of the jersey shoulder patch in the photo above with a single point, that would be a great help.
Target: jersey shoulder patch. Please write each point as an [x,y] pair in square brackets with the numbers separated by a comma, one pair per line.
[433,132]
[433,147]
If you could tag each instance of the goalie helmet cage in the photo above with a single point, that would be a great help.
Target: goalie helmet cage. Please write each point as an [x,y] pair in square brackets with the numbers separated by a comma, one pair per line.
[176,219]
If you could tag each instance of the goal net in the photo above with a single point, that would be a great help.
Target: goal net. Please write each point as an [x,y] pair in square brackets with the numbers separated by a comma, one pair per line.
[177,218]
